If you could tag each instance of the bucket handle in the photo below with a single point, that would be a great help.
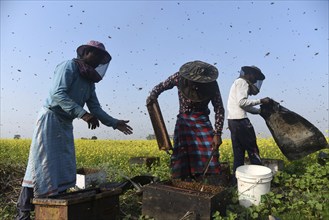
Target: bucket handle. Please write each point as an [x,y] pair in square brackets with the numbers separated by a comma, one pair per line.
[252,186]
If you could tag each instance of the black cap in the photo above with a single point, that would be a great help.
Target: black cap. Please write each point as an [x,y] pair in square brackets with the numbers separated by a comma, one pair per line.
[253,70]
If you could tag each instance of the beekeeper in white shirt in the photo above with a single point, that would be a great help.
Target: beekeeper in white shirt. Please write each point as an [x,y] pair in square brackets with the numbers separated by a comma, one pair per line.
[242,132]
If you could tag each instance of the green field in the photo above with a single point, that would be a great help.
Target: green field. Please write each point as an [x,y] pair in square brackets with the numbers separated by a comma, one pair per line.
[300,191]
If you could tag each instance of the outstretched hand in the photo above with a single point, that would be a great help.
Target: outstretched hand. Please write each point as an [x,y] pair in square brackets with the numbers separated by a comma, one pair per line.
[123,127]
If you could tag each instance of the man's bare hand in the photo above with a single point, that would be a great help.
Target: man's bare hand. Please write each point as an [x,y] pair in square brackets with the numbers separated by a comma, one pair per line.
[92,121]
[123,127]
[216,142]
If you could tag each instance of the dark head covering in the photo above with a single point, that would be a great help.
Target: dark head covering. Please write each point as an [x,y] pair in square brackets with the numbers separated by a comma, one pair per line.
[198,80]
[98,45]
[198,71]
[253,70]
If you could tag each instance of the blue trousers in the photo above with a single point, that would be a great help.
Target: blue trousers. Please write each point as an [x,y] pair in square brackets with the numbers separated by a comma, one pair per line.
[243,139]
[24,204]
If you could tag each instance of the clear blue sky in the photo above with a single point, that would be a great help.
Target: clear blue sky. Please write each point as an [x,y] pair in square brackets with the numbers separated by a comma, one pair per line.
[150,40]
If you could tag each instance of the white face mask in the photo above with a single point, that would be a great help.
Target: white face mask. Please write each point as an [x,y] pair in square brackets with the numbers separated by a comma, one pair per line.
[101,69]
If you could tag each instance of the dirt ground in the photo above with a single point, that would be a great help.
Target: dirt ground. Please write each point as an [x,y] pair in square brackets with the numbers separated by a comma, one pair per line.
[10,186]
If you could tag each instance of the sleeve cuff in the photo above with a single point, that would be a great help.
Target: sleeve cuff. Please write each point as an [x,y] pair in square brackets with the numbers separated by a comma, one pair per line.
[219,133]
[82,113]
[115,124]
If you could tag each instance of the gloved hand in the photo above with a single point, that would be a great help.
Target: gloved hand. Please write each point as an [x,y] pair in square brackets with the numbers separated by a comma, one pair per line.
[92,121]
[266,100]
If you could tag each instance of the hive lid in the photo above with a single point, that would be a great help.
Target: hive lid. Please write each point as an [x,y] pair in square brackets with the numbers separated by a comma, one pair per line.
[76,197]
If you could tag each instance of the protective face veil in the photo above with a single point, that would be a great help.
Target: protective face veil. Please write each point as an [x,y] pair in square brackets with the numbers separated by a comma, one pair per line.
[198,80]
[254,88]
[197,92]
[104,63]
[101,69]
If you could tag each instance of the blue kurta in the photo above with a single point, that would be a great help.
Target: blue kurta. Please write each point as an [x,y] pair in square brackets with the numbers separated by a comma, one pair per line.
[52,166]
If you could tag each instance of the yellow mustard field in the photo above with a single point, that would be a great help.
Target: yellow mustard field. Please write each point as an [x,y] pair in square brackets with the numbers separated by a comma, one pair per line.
[300,191]
[114,155]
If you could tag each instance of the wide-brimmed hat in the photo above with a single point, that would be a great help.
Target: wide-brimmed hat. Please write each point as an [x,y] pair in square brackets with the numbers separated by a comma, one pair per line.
[199,71]
[253,70]
[98,45]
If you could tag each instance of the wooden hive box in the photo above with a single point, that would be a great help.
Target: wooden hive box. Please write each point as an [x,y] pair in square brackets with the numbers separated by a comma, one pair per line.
[88,204]
[168,200]
[87,177]
[148,161]
[274,164]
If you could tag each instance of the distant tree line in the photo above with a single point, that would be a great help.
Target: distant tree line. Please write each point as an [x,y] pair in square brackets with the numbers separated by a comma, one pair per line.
[92,138]
[152,137]
[149,137]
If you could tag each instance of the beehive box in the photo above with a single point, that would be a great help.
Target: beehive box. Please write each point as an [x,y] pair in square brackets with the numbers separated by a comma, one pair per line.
[89,177]
[91,204]
[178,199]
[221,179]
[274,164]
[148,161]
[225,175]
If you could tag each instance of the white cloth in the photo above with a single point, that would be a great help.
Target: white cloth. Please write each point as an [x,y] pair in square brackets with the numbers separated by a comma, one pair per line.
[51,167]
[238,103]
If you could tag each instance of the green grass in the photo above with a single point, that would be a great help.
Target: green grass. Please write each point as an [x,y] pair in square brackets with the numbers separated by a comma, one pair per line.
[300,191]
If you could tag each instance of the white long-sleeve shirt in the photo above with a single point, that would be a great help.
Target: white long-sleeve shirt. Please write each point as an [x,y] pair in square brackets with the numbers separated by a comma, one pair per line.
[238,103]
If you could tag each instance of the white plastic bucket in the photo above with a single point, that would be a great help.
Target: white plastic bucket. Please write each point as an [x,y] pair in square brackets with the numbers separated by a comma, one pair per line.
[253,182]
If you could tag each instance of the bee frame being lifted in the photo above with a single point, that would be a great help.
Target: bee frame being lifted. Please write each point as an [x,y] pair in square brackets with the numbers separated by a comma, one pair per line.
[159,126]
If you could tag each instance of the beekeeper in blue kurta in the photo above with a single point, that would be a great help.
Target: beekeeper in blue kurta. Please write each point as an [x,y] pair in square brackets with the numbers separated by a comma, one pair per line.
[51,166]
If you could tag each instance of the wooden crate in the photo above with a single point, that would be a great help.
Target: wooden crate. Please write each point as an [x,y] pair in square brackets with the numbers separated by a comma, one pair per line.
[88,177]
[148,161]
[164,201]
[222,179]
[274,164]
[91,204]
[225,175]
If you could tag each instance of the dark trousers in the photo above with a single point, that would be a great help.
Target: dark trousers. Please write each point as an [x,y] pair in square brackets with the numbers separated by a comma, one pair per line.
[243,139]
[24,204]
